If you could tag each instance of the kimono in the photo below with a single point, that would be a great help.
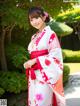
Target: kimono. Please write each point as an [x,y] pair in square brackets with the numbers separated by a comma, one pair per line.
[45,86]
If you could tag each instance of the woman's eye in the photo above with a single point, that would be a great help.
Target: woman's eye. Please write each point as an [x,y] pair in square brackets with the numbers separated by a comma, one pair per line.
[31,19]
[36,17]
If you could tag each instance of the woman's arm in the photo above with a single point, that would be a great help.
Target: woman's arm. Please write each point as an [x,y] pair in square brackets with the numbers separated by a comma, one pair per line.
[51,65]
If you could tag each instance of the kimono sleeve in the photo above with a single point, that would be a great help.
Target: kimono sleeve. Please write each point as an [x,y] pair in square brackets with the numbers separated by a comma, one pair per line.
[51,64]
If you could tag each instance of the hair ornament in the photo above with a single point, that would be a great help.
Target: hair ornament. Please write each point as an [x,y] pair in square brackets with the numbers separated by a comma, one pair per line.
[46,14]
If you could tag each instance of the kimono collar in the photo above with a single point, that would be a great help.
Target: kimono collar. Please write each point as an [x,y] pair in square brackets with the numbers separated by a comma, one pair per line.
[47,28]
[44,29]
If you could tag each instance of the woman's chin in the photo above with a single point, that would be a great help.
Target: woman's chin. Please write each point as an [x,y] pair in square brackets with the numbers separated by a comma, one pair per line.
[37,27]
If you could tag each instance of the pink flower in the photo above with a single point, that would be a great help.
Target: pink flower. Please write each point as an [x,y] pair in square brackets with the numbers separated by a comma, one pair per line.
[39,97]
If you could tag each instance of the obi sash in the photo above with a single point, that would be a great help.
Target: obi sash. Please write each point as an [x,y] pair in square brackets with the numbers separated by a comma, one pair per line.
[35,54]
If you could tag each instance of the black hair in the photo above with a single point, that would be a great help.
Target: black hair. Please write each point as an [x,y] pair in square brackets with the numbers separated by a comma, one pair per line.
[35,12]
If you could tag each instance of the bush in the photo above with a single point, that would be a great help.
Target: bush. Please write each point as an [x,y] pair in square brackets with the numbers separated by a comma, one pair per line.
[1,91]
[13,81]
[61,29]
[17,55]
[71,56]
[69,16]
[66,71]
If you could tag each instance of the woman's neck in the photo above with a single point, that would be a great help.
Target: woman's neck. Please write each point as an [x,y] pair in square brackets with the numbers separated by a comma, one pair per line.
[43,26]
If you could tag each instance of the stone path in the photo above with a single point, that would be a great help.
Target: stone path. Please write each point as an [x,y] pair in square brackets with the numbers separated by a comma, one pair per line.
[72,90]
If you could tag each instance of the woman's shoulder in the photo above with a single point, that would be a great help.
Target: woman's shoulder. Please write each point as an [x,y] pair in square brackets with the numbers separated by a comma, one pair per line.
[49,30]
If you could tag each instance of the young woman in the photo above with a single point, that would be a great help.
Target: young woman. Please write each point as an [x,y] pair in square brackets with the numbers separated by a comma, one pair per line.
[45,67]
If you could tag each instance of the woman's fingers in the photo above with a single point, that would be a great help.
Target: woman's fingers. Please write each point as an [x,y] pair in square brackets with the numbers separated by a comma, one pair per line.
[26,65]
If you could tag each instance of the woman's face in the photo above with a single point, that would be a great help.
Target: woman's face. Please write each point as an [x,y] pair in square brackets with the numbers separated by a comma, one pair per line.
[37,22]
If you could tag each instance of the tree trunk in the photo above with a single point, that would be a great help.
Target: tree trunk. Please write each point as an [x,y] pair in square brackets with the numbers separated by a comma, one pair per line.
[9,33]
[3,57]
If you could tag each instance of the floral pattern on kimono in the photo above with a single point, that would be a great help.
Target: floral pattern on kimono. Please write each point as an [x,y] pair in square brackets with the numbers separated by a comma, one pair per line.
[49,77]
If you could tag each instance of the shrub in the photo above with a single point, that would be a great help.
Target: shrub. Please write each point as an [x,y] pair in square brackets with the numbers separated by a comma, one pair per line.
[17,55]
[66,71]
[13,81]
[69,16]
[71,56]
[61,29]
[1,91]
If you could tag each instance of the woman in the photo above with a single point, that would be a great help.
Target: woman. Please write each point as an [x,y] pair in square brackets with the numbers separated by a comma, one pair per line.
[45,68]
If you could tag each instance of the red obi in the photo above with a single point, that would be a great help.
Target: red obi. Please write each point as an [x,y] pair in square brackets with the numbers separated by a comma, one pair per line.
[33,55]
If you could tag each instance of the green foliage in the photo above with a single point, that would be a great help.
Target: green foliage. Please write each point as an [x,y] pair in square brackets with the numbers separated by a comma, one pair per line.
[13,81]
[17,54]
[53,7]
[71,56]
[66,72]
[21,36]
[69,16]
[61,29]
[15,16]
[15,12]
[1,91]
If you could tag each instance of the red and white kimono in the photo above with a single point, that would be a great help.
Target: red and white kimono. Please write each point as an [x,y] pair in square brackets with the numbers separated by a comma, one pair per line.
[45,86]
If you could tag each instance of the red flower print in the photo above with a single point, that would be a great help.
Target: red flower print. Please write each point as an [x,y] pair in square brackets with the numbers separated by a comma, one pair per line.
[56,61]
[52,38]
[47,62]
[39,97]
[45,77]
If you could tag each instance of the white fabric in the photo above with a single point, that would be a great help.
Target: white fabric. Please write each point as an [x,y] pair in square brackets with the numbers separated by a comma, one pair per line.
[52,65]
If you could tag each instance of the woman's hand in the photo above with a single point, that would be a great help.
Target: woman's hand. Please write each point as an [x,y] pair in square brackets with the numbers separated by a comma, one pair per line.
[29,63]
